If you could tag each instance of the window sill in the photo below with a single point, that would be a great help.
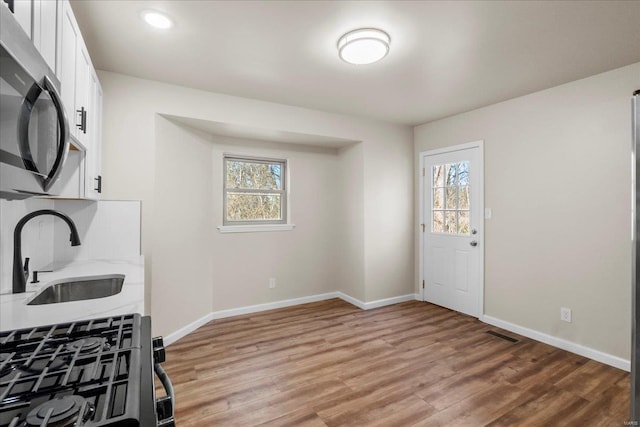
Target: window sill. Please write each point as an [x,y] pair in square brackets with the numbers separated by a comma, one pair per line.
[255,228]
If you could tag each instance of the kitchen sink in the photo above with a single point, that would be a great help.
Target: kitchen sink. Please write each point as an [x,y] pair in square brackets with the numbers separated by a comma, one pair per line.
[78,289]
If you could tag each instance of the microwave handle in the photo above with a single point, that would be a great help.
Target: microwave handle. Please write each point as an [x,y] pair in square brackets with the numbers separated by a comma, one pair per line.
[23,133]
[63,140]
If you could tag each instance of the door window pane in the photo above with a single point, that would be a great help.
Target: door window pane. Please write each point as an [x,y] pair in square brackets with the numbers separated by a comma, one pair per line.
[438,176]
[450,222]
[451,198]
[463,197]
[463,222]
[438,221]
[438,198]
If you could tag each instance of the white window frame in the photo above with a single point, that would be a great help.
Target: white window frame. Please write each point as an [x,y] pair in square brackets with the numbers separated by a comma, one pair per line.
[256,225]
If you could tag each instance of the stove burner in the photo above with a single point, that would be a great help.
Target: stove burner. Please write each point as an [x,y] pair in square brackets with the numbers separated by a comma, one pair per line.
[60,412]
[87,345]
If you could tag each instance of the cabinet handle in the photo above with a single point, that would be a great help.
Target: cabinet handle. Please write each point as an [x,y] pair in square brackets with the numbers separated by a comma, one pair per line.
[98,187]
[81,112]
[83,120]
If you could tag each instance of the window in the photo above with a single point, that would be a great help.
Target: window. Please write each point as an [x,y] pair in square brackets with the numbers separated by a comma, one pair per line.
[450,205]
[254,191]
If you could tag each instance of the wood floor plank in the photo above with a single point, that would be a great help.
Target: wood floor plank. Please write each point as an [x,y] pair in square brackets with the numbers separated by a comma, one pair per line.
[329,364]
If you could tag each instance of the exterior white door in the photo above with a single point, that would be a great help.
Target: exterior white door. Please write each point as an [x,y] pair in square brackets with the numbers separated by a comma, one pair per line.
[452,228]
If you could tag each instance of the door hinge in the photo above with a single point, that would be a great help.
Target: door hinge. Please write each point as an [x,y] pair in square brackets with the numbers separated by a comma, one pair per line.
[423,172]
[423,284]
[422,227]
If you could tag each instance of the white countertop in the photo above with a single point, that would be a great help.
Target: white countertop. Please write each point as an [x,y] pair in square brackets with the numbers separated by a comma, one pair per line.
[16,314]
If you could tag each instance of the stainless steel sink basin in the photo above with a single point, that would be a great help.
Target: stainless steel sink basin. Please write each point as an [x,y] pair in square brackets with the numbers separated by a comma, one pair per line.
[78,289]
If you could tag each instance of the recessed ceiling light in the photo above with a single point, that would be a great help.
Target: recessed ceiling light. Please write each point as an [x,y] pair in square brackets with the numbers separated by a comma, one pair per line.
[364,46]
[157,19]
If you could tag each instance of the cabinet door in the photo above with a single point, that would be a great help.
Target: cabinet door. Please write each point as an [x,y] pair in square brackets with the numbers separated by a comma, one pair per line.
[93,186]
[83,86]
[22,10]
[44,29]
[66,65]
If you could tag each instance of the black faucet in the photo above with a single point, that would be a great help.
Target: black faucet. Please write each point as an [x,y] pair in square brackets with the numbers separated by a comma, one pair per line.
[20,272]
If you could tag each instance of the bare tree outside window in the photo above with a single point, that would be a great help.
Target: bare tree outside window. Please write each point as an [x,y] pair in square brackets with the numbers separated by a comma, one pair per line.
[450,208]
[254,191]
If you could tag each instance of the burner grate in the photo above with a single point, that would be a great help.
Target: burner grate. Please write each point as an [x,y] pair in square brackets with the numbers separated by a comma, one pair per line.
[96,361]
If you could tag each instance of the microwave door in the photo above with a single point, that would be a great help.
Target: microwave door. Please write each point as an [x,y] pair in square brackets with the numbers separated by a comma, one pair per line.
[43,132]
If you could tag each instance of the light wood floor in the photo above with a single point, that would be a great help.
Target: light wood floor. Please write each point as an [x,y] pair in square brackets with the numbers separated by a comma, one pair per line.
[411,364]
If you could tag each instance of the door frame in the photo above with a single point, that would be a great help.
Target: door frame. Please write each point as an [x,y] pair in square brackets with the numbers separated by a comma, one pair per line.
[424,222]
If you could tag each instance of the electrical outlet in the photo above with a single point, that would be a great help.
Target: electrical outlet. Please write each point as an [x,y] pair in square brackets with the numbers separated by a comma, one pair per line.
[565,314]
[272,282]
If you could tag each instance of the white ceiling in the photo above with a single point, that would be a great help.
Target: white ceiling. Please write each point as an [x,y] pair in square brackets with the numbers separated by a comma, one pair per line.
[446,56]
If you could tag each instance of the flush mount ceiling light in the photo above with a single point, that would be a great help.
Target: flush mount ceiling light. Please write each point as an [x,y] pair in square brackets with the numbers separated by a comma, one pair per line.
[156,19]
[364,46]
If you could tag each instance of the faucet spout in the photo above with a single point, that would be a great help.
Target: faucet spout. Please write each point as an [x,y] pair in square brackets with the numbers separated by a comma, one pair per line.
[21,272]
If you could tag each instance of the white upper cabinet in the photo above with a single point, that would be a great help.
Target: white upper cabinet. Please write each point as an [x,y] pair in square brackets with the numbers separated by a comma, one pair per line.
[22,10]
[82,96]
[53,29]
[82,99]
[45,17]
[68,36]
[93,159]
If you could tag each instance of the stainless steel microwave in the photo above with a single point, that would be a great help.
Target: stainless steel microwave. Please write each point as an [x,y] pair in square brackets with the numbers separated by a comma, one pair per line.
[34,132]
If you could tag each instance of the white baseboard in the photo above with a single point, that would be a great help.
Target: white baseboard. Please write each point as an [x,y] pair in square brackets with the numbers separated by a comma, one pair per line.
[388,301]
[272,305]
[351,300]
[182,332]
[608,359]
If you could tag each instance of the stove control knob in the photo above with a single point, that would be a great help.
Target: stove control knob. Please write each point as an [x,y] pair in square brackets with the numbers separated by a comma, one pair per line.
[158,350]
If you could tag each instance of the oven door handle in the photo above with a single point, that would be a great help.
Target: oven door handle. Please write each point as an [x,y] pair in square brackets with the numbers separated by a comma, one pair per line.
[164,405]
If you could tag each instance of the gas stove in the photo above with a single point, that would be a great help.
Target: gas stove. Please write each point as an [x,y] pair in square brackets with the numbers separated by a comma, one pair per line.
[88,373]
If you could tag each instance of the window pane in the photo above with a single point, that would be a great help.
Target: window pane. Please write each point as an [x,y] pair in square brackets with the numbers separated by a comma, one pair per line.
[450,222]
[254,176]
[463,222]
[463,198]
[438,176]
[450,200]
[253,207]
[463,173]
[438,198]
[450,171]
[438,222]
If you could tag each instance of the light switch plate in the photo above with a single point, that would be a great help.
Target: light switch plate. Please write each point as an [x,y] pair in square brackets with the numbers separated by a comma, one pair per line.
[487,213]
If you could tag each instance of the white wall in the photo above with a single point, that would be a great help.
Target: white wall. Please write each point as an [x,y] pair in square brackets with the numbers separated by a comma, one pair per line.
[382,167]
[303,261]
[183,227]
[198,269]
[557,177]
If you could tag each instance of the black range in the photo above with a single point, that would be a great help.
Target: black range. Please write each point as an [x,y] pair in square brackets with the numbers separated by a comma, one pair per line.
[95,372]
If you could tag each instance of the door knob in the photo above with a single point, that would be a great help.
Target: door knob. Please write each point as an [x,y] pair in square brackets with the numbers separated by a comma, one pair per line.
[473,243]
